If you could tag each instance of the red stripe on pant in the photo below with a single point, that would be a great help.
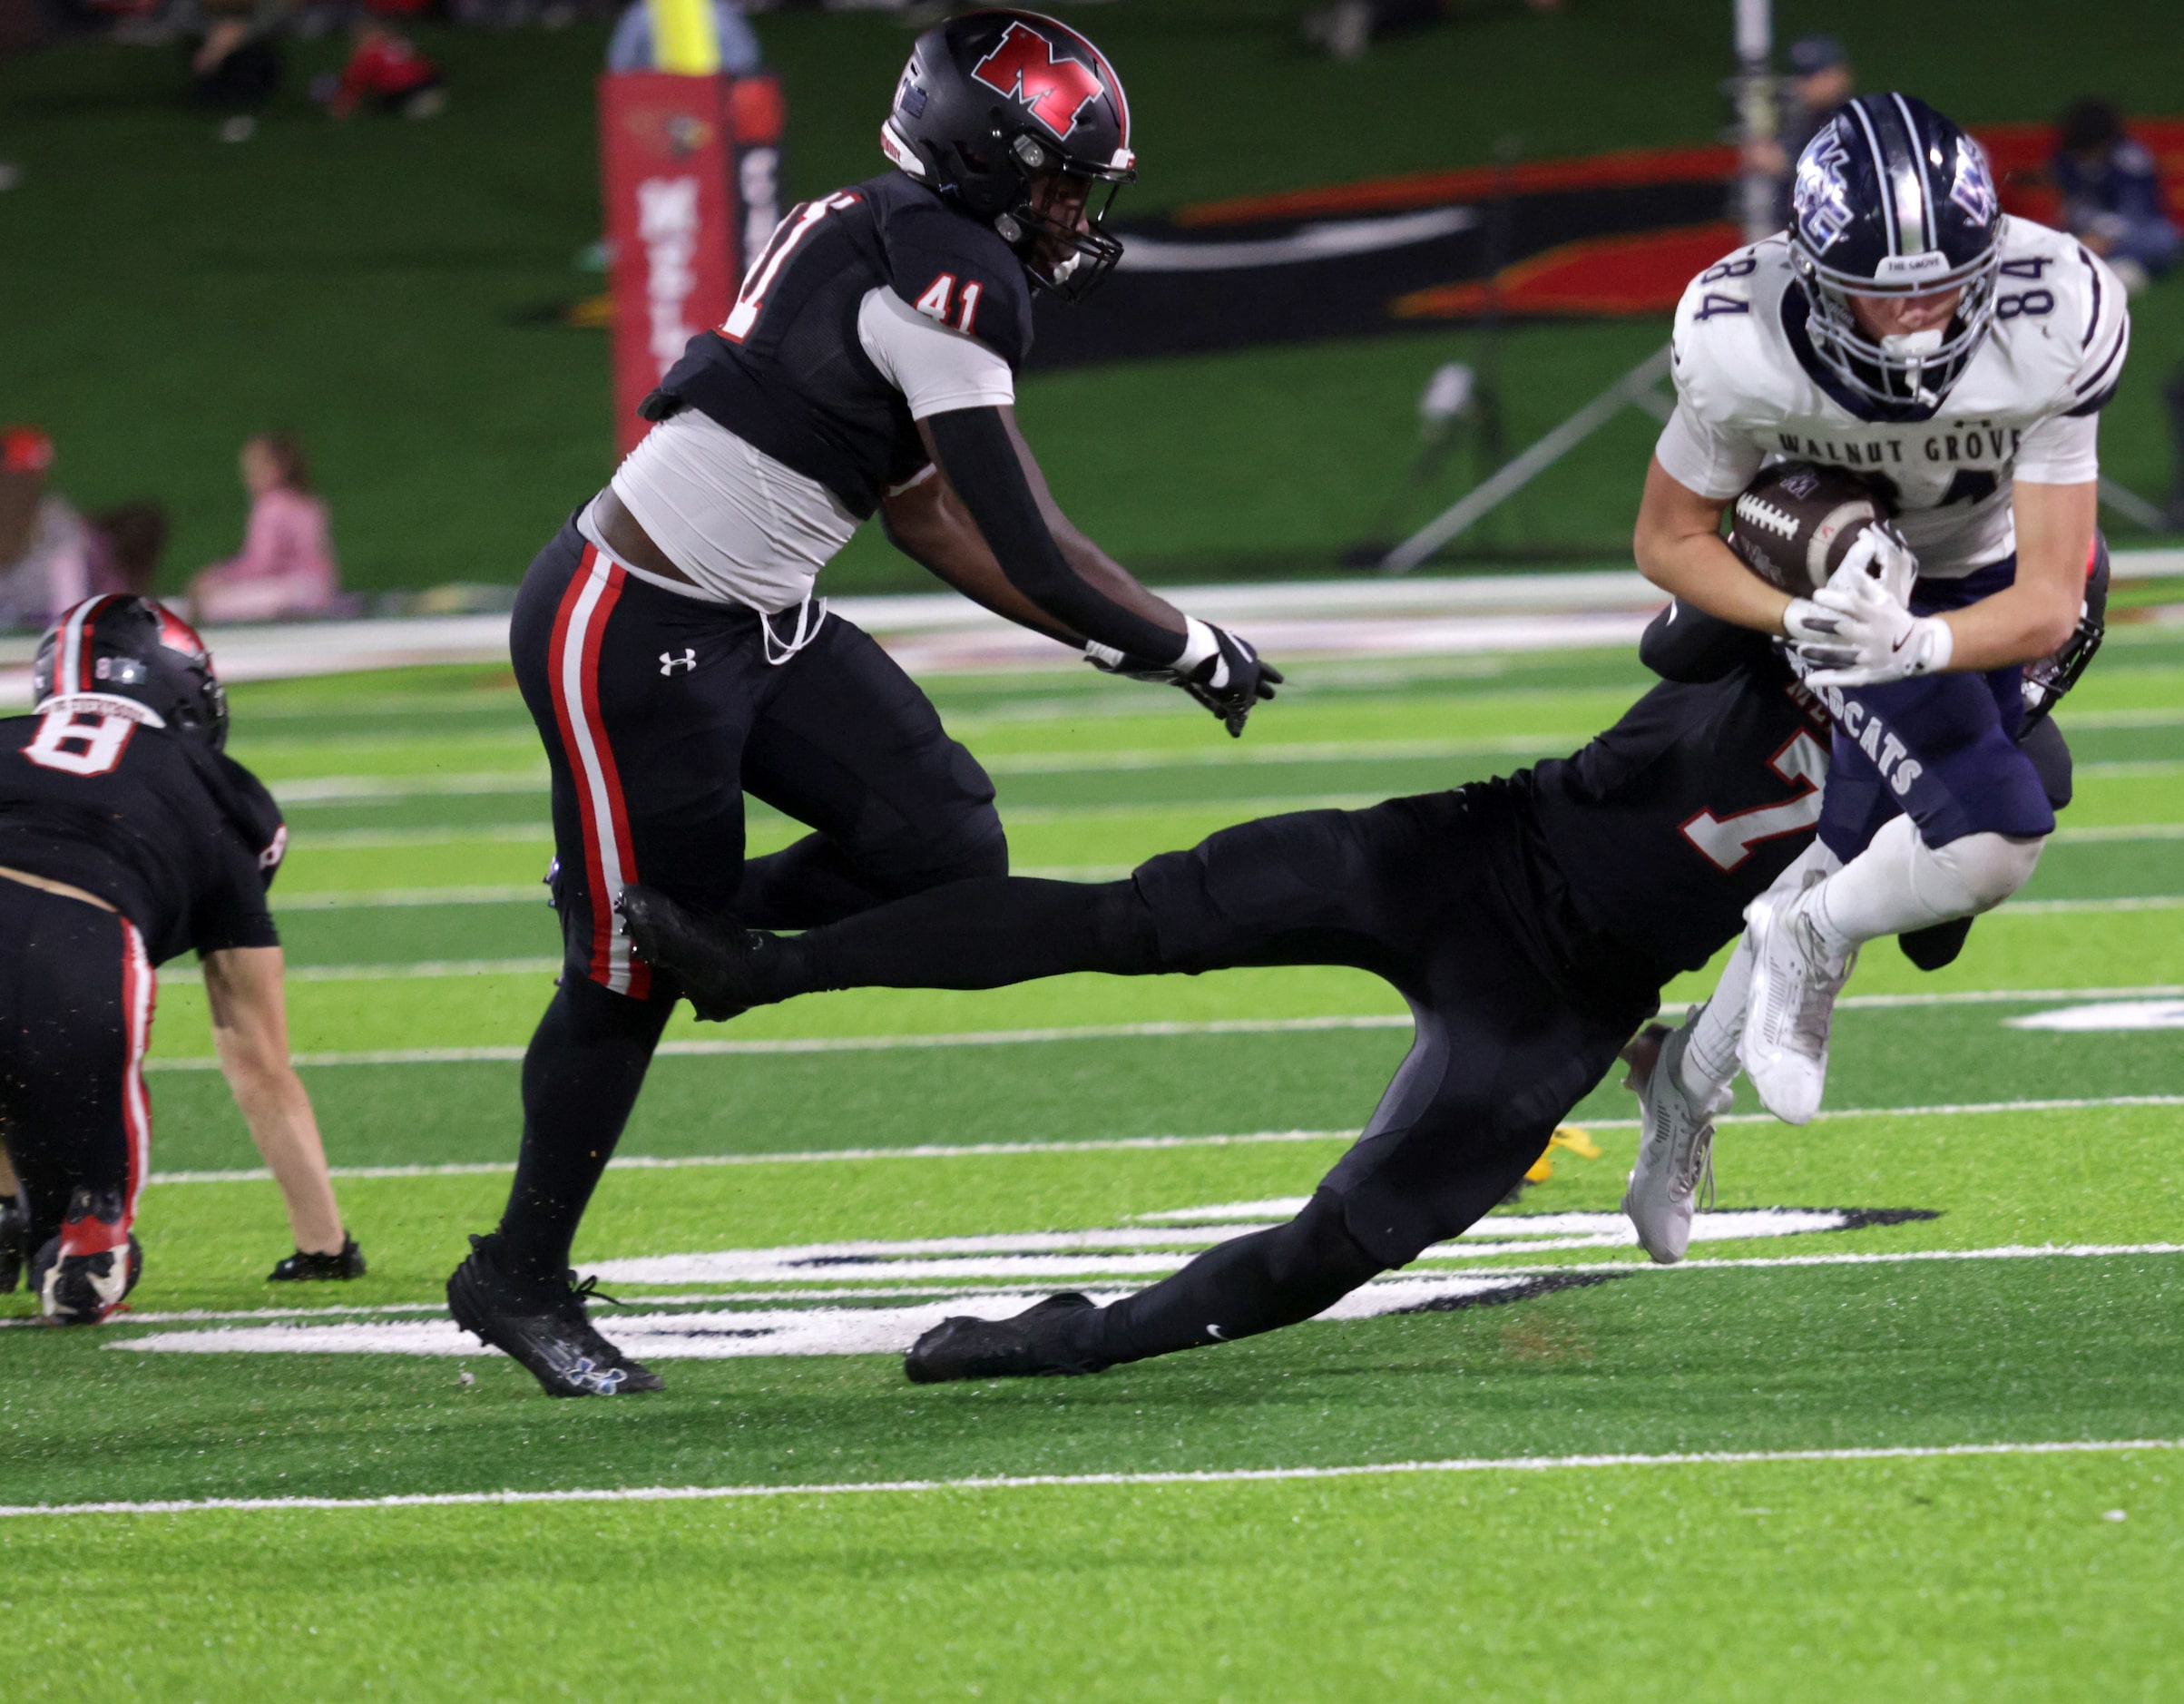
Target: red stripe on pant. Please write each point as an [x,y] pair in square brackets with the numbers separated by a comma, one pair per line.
[609,861]
[140,990]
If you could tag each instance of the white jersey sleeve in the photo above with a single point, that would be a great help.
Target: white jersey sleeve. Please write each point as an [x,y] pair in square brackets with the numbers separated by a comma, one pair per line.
[1719,348]
[1702,458]
[936,368]
[2062,450]
[2092,326]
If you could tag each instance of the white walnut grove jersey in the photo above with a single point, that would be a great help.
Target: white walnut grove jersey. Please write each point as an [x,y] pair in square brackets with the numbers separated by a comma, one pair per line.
[1750,390]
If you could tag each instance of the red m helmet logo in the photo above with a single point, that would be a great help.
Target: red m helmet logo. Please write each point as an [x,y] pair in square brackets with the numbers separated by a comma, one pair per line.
[1022,66]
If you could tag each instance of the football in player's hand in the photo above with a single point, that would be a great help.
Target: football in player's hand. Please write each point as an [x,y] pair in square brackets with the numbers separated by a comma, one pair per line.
[1794,523]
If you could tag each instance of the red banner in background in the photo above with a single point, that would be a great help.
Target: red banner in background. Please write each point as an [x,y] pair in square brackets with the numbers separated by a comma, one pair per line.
[689,169]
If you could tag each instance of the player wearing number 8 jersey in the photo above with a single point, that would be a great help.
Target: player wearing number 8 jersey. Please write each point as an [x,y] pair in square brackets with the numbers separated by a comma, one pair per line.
[1528,922]
[1958,359]
[670,647]
[128,837]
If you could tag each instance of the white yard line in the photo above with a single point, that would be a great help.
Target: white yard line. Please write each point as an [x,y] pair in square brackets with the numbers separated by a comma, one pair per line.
[375,898]
[533,893]
[2117,769]
[2118,832]
[1030,1481]
[870,1292]
[794,1044]
[845,1043]
[969,1151]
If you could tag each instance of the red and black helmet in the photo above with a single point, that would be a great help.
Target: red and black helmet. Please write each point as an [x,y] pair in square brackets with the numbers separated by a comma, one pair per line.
[136,648]
[991,102]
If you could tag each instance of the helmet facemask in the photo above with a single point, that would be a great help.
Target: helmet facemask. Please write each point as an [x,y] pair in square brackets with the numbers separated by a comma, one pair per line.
[1916,370]
[1059,236]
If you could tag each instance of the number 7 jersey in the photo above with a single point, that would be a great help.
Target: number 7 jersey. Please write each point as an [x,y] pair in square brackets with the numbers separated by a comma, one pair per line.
[1749,389]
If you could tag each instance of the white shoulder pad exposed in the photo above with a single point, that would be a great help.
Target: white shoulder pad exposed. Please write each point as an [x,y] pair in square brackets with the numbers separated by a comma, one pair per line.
[2060,317]
[1732,362]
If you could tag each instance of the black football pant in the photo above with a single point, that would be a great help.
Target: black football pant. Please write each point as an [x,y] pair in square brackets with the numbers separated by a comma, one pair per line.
[660,713]
[76,1017]
[1408,890]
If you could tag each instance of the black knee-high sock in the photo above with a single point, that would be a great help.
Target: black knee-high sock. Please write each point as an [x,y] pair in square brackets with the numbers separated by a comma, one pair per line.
[1237,1288]
[986,932]
[580,1077]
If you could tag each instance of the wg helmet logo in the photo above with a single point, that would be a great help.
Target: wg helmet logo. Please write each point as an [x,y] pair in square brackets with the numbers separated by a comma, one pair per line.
[1822,198]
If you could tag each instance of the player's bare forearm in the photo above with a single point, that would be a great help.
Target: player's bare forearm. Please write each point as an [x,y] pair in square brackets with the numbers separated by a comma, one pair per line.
[1678,546]
[928,524]
[250,1034]
[2039,612]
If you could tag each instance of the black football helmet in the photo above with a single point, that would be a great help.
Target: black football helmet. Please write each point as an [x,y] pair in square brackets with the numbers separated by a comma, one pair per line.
[992,102]
[1891,199]
[136,648]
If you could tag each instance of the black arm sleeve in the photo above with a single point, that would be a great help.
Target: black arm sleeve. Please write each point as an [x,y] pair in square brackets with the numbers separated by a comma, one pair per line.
[980,461]
[1691,647]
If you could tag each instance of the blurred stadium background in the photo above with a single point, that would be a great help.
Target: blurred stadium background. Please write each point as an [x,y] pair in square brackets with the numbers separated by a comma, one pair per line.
[409,298]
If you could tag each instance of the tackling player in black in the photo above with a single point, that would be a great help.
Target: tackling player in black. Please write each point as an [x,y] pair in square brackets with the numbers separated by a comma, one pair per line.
[1530,922]
[668,646]
[127,837]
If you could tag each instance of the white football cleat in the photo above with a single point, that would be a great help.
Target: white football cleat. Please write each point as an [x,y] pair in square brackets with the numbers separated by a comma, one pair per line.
[1789,1007]
[1675,1150]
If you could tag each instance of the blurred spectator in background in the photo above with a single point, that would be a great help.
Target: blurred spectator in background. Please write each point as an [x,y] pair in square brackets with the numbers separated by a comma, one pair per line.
[1821,78]
[384,73]
[2112,195]
[287,566]
[124,547]
[1347,30]
[236,62]
[44,563]
[630,48]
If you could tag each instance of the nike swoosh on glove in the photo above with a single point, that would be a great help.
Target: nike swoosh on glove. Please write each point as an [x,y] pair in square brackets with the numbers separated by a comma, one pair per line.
[1218,668]
[1871,638]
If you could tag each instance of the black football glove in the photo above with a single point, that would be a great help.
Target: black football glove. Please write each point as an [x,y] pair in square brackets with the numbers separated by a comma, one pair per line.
[1230,682]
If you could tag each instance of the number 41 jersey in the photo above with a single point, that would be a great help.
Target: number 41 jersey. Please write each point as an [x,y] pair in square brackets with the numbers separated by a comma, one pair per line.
[791,370]
[1749,388]
[180,839]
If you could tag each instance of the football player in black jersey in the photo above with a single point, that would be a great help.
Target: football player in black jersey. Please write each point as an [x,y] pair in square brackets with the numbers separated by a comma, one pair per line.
[668,646]
[127,835]
[1529,922]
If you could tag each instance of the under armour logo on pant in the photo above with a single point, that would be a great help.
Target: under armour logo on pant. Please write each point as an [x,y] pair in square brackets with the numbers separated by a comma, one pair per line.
[670,661]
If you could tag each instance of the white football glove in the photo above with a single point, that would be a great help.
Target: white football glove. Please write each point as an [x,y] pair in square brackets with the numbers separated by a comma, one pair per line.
[1857,630]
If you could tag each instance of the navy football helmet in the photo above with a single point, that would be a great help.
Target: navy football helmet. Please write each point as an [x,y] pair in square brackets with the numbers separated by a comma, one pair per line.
[990,108]
[1891,199]
[136,648]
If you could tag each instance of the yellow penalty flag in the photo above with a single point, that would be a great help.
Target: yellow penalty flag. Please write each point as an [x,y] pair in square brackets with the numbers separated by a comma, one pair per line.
[1565,1136]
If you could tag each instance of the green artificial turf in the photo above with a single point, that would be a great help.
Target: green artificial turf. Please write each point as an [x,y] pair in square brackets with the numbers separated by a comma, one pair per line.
[1927,1581]
[1984,1577]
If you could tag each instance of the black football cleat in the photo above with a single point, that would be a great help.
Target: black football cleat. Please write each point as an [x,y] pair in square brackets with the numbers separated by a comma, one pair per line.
[14,1234]
[1026,1346]
[83,1276]
[551,1336]
[709,958]
[304,1268]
